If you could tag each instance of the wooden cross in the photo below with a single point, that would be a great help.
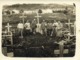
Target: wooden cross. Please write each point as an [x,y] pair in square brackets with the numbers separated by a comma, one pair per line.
[61,49]
[8,27]
[5,48]
[9,35]
[69,23]
[37,17]
[23,16]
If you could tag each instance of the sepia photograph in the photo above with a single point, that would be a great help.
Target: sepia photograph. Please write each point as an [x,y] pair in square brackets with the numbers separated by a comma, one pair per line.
[39,30]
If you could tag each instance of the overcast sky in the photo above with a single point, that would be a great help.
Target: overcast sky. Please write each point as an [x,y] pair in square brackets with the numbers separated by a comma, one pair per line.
[10,2]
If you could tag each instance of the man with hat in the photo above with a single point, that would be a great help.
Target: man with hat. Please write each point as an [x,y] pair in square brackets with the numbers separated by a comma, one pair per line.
[33,26]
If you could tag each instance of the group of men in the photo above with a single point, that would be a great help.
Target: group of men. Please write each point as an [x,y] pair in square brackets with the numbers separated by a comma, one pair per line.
[44,28]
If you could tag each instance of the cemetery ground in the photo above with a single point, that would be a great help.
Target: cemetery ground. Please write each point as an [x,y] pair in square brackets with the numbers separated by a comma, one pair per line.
[39,46]
[36,45]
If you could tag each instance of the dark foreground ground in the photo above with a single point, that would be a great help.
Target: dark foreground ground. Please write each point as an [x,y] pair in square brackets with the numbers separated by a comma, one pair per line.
[39,46]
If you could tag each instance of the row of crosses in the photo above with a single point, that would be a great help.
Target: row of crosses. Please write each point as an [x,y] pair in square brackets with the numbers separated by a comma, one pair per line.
[61,44]
[23,17]
[38,16]
[8,26]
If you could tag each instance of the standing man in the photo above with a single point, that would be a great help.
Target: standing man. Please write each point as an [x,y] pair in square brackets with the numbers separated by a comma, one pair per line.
[54,32]
[27,28]
[59,30]
[38,29]
[49,28]
[54,25]
[43,27]
[20,28]
[33,26]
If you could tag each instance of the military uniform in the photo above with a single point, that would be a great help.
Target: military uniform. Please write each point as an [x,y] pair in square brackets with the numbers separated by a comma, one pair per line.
[44,27]
[33,26]
[49,29]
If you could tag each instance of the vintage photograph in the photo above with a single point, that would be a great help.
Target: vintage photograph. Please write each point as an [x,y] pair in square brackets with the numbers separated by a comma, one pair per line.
[39,30]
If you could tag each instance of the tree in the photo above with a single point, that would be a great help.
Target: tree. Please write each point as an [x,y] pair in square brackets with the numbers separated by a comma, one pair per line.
[66,11]
[13,12]
[39,11]
[8,12]
[21,11]
[74,4]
